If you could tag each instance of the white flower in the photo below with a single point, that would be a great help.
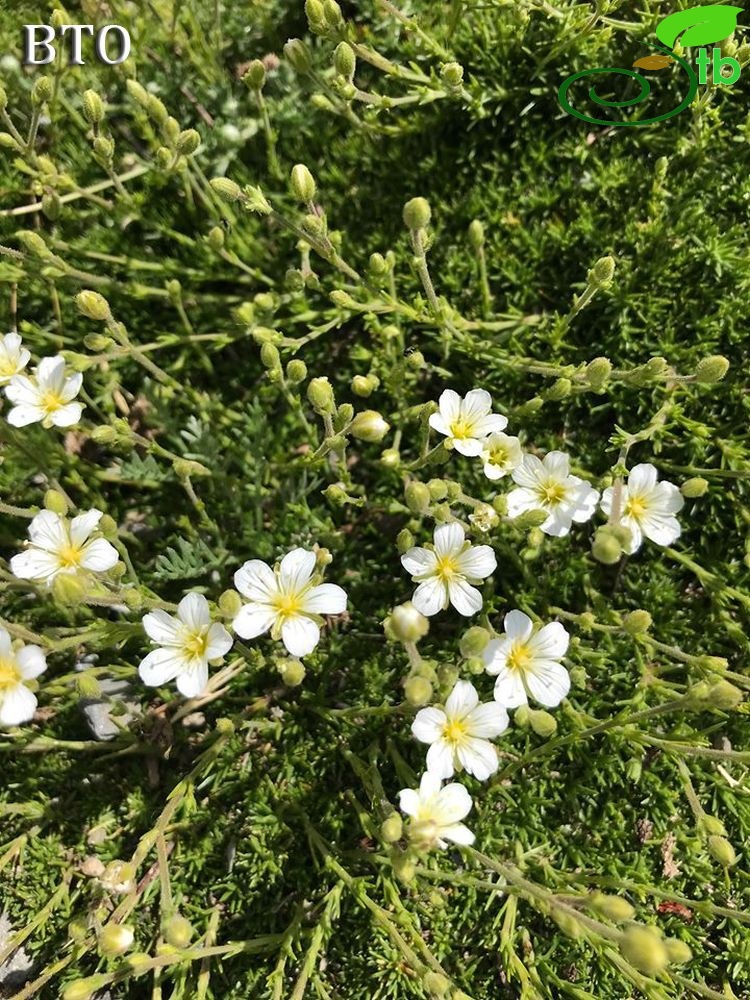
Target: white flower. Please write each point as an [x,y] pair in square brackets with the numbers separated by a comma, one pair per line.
[24,663]
[13,357]
[466,422]
[501,454]
[436,812]
[186,643]
[647,507]
[286,601]
[57,546]
[547,485]
[459,734]
[46,397]
[445,571]
[527,663]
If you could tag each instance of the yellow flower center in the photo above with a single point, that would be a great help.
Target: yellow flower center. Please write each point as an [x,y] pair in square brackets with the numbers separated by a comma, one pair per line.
[454,730]
[635,507]
[498,455]
[7,367]
[462,428]
[195,643]
[519,657]
[288,604]
[51,401]
[446,567]
[69,555]
[10,675]
[551,492]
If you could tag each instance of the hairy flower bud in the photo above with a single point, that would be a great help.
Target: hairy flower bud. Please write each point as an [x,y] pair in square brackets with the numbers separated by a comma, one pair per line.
[41,91]
[332,14]
[226,189]
[298,56]
[392,828]
[407,624]
[417,496]
[34,243]
[315,15]
[390,458]
[363,385]
[613,908]
[81,989]
[643,947]
[678,952]
[417,214]
[302,183]
[637,622]
[296,371]
[418,691]
[93,107]
[602,272]
[269,355]
[104,148]
[188,141]
[543,723]
[606,548]
[724,695]
[56,502]
[476,234]
[345,60]
[320,395]
[255,75]
[93,305]
[404,540]
[68,589]
[722,851]
[598,372]
[292,671]
[473,641]
[369,425]
[452,75]
[178,931]
[695,487]
[711,369]
[115,939]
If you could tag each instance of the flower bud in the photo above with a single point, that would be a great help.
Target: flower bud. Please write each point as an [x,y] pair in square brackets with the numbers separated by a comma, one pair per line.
[392,828]
[643,947]
[178,931]
[559,390]
[230,603]
[255,75]
[712,369]
[56,502]
[695,487]
[104,434]
[81,989]
[415,360]
[3,98]
[320,395]
[417,214]
[226,189]
[362,386]
[407,624]
[296,371]
[597,373]
[567,923]
[637,622]
[473,641]
[404,540]
[390,458]
[34,243]
[51,205]
[678,952]
[157,109]
[418,691]
[345,60]
[711,826]
[613,908]
[269,355]
[332,14]
[93,305]
[724,695]
[104,148]
[602,272]
[292,671]
[452,75]
[476,234]
[417,496]
[521,716]
[722,851]
[115,939]
[302,183]
[88,686]
[605,548]
[404,867]
[68,589]
[298,55]
[216,238]
[139,962]
[337,494]
[41,91]
[529,519]
[543,723]
[369,425]
[315,15]
[437,985]
[93,107]
[7,141]
[188,141]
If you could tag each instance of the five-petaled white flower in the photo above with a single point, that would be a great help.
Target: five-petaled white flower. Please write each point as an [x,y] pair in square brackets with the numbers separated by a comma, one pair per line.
[13,357]
[45,397]
[647,507]
[18,665]
[186,643]
[501,454]
[459,734]
[286,600]
[446,571]
[466,422]
[527,663]
[57,546]
[547,485]
[436,812]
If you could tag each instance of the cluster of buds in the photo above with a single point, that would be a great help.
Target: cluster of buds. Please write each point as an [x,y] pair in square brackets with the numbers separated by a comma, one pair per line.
[177,144]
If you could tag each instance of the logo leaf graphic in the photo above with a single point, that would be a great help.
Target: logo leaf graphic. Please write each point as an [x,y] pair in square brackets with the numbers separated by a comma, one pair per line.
[698,25]
[652,62]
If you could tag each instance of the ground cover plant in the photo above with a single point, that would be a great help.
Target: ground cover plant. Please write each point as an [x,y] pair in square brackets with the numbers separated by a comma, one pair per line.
[375,568]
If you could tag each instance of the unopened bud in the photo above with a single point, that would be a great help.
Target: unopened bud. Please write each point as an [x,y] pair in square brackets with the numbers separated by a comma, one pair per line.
[407,624]
[369,425]
[302,183]
[56,502]
[473,641]
[644,948]
[712,369]
[614,908]
[392,828]
[255,75]
[320,395]
[298,56]
[363,385]
[41,91]
[637,622]
[68,589]
[292,671]
[269,355]
[93,305]
[226,188]
[93,107]
[417,496]
[722,851]
[543,723]
[678,952]
[178,931]
[417,214]
[188,141]
[115,939]
[598,372]
[605,548]
[417,691]
[602,272]
[695,487]
[296,371]
[345,60]
[452,75]
[390,458]
[724,695]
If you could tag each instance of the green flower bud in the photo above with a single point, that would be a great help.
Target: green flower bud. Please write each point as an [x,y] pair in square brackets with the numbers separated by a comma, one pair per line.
[132,598]
[605,548]
[104,434]
[178,931]
[364,385]
[417,214]
[336,494]
[678,952]
[712,369]
[417,691]
[81,989]
[296,371]
[255,75]
[230,603]
[3,98]
[345,60]
[724,696]
[302,183]
[404,540]
[188,141]
[377,265]
[332,14]
[115,939]
[164,157]
[139,962]
[543,723]
[452,75]
[407,624]
[315,15]
[559,390]
[369,425]
[34,243]
[51,205]
[292,671]
[598,372]
[473,641]
[7,141]
[711,826]
[226,189]
[392,828]
[269,355]
[613,908]
[643,947]
[521,716]
[93,107]
[417,497]
[722,851]
[415,360]
[216,237]
[529,519]
[567,923]
[390,458]
[157,109]
[298,56]
[500,505]
[404,867]
[476,234]
[637,622]
[602,272]
[41,91]
[436,985]
[320,395]
[695,487]
[137,92]
[68,589]
[56,502]
[104,148]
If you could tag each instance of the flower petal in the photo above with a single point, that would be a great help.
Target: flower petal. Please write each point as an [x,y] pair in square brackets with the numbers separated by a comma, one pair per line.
[470,447]
[408,801]
[418,561]
[162,628]
[448,539]
[67,415]
[192,682]
[17,705]
[661,530]
[453,804]
[98,555]
[458,834]
[477,562]
[462,699]
[82,525]
[193,611]
[476,404]
[550,642]
[518,625]
[25,414]
[478,757]
[430,597]
[440,759]
[326,599]
[160,667]
[300,635]
[428,724]
[509,689]
[449,405]
[31,662]
[219,642]
[642,478]
[256,581]
[48,531]
[296,569]
[253,620]
[487,721]
[35,564]
[467,600]
[548,682]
